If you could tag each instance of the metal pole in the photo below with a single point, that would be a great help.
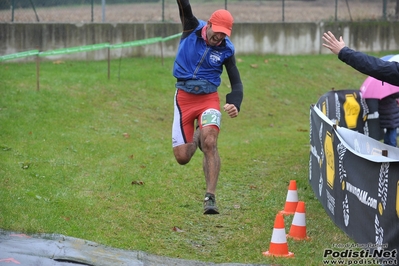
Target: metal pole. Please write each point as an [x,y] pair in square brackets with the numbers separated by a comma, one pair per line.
[349,10]
[92,10]
[384,9]
[37,72]
[109,61]
[12,10]
[225,4]
[336,10]
[283,9]
[397,9]
[103,10]
[34,10]
[162,52]
[163,10]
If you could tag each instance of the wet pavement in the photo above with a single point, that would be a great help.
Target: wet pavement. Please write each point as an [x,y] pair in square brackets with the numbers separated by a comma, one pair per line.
[59,250]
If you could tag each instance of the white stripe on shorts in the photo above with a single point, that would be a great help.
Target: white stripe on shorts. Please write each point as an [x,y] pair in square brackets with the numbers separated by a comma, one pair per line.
[177,131]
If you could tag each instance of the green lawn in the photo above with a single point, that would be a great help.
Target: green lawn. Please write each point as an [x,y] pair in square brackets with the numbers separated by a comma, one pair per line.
[91,157]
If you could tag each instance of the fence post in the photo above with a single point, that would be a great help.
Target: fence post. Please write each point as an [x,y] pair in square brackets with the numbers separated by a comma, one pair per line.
[349,10]
[103,10]
[336,10]
[12,10]
[163,10]
[37,72]
[384,9]
[283,3]
[109,61]
[34,10]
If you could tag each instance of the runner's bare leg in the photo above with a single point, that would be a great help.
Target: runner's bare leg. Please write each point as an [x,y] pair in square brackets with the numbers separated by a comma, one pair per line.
[211,161]
[185,152]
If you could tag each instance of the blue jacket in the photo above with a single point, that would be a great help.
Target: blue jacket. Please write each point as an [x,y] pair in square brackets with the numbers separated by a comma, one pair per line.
[197,60]
[197,63]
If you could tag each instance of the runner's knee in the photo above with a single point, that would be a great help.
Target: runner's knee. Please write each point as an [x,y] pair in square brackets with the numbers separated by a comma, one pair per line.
[209,142]
[182,161]
[181,155]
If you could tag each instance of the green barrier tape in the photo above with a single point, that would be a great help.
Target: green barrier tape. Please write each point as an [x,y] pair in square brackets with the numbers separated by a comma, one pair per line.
[19,55]
[136,43]
[78,49]
[88,48]
[171,37]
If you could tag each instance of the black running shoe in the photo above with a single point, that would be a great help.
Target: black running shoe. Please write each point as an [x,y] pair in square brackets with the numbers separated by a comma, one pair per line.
[210,204]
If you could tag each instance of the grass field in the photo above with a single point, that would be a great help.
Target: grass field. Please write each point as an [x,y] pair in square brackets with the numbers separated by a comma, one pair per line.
[91,157]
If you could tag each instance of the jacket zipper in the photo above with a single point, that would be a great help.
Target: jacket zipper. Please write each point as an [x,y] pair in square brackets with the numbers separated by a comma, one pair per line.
[200,63]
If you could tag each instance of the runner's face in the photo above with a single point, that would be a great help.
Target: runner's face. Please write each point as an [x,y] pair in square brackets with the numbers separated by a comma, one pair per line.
[214,37]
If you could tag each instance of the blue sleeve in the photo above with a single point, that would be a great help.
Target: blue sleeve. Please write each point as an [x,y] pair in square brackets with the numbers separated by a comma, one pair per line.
[372,66]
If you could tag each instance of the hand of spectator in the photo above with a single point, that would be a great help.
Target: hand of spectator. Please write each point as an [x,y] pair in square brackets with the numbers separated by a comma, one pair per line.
[332,43]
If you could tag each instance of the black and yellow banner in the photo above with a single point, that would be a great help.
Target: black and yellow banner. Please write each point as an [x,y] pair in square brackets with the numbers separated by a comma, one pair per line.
[354,176]
[347,109]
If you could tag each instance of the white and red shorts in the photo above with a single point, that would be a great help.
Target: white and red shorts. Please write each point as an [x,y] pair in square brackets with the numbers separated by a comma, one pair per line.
[205,108]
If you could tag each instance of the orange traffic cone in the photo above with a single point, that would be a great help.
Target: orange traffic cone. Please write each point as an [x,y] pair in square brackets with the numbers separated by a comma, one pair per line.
[298,226]
[292,199]
[278,244]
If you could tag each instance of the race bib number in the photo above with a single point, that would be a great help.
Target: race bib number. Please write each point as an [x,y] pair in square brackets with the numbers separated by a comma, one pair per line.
[211,117]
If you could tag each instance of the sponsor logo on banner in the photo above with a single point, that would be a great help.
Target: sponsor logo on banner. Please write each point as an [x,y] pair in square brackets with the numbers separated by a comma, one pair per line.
[321,185]
[345,210]
[341,149]
[379,232]
[366,128]
[383,197]
[321,145]
[337,107]
[352,110]
[365,107]
[330,202]
[311,146]
[313,150]
[330,167]
[351,184]
[362,195]
[383,187]
[366,116]
[324,107]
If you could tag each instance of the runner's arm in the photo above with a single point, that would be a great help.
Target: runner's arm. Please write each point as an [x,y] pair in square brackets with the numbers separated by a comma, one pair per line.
[187,18]
[237,89]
